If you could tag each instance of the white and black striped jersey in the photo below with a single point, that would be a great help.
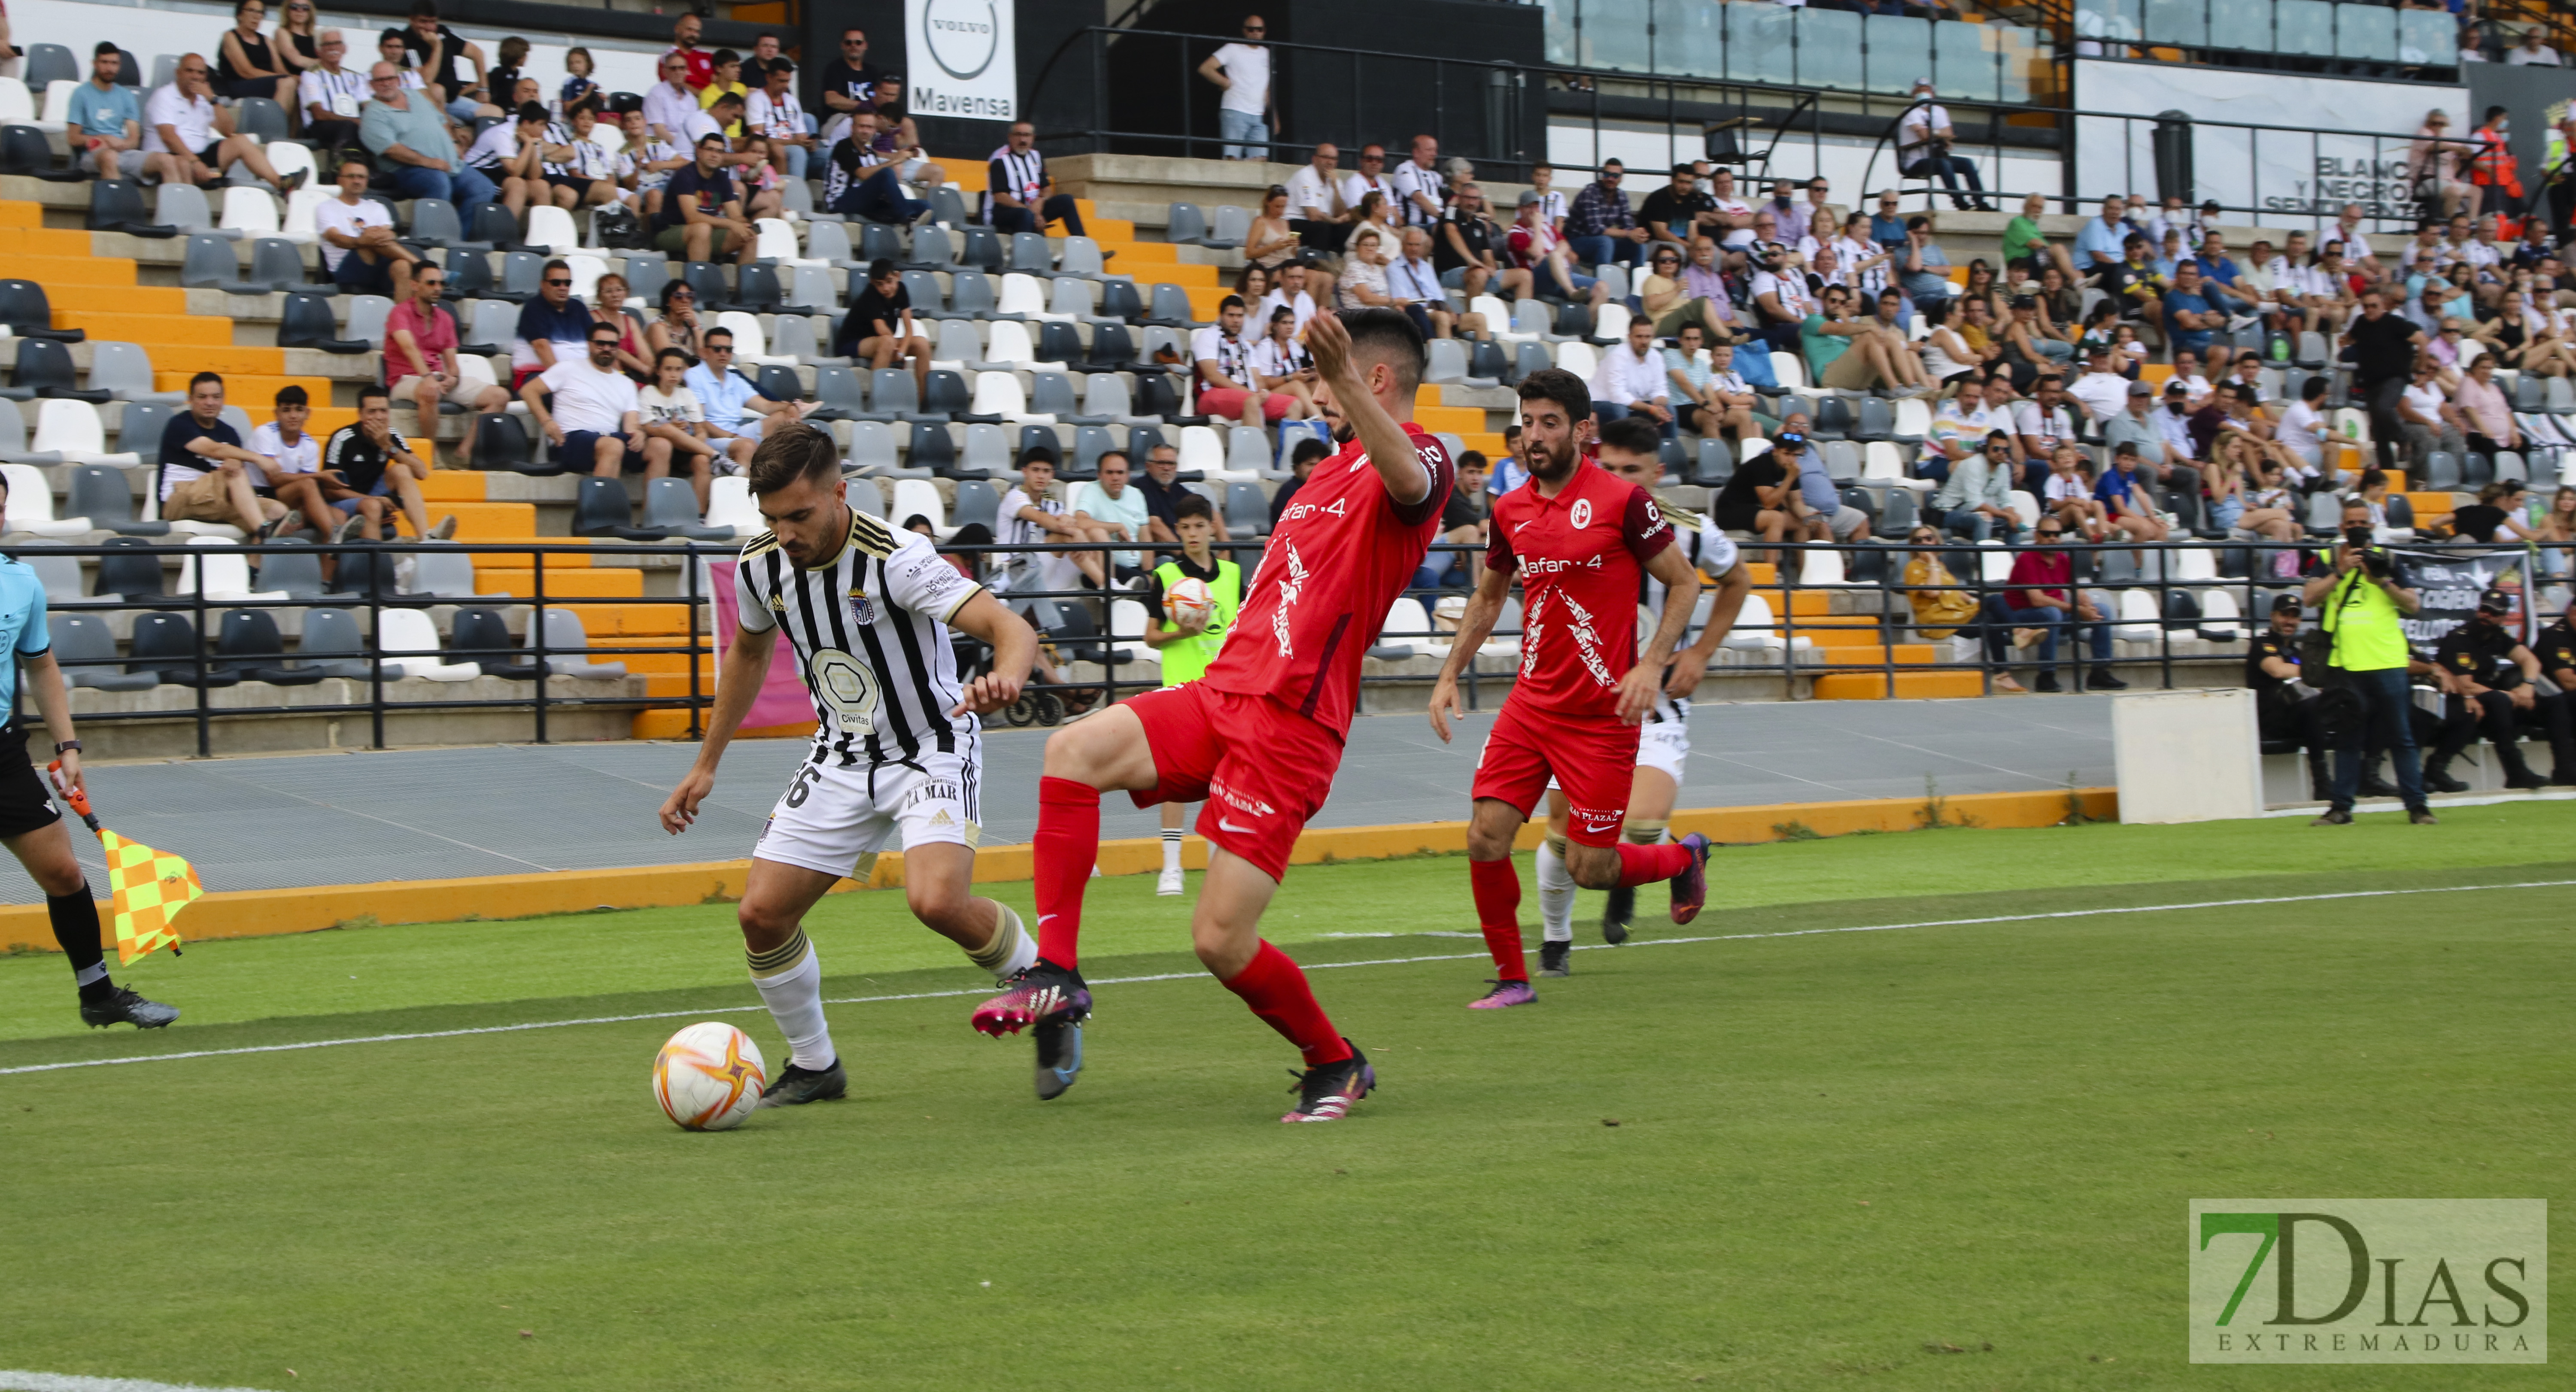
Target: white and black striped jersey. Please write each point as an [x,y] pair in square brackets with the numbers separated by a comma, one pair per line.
[1712,553]
[870,629]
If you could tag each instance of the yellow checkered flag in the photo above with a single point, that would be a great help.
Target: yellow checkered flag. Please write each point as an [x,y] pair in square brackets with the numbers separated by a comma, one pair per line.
[146,889]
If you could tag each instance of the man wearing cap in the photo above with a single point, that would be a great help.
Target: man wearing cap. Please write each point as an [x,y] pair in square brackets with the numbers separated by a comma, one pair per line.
[2486,673]
[2283,708]
[1923,145]
[2102,390]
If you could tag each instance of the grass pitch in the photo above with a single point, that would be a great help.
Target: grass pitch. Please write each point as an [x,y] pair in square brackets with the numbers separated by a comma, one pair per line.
[1834,1155]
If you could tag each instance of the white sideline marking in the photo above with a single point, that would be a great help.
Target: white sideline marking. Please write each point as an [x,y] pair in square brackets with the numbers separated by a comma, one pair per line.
[77,1386]
[62,1382]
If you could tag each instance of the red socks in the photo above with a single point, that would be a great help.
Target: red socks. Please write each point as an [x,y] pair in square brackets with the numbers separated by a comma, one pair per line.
[1277,992]
[1061,855]
[1644,864]
[1498,912]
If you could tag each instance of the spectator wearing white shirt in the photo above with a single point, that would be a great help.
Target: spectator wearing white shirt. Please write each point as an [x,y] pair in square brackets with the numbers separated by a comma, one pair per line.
[291,461]
[2043,423]
[512,155]
[2101,389]
[772,119]
[588,409]
[1551,203]
[1630,381]
[1290,294]
[182,121]
[1031,514]
[1109,503]
[1317,212]
[2356,247]
[330,95]
[1923,147]
[1419,193]
[1243,115]
[358,246]
[671,102]
[1961,430]
[2533,51]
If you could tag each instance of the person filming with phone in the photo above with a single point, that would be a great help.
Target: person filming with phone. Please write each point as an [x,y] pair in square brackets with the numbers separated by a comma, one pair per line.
[2362,595]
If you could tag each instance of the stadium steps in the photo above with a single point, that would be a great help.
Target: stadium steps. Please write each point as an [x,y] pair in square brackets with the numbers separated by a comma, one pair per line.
[1909,686]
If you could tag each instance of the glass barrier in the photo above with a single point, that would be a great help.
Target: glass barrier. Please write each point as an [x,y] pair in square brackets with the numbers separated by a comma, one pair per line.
[1962,66]
[2366,32]
[1829,53]
[2114,21]
[2245,24]
[1616,35]
[2428,36]
[1690,38]
[1558,25]
[2182,23]
[2304,27]
[1758,44]
[2023,58]
[1897,46]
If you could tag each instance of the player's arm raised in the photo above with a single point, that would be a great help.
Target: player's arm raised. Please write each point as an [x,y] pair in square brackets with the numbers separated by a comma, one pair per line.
[738,680]
[1637,688]
[1015,650]
[1690,665]
[1390,450]
[1474,627]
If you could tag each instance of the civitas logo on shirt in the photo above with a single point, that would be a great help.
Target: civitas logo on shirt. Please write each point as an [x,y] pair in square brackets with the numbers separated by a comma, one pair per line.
[964,35]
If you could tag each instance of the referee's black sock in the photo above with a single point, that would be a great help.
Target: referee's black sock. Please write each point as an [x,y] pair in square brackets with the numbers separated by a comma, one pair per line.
[75,917]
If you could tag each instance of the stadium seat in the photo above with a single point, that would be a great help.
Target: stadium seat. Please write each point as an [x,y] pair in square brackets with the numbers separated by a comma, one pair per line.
[1247,454]
[949,397]
[2220,619]
[332,643]
[501,442]
[480,638]
[982,249]
[566,644]
[671,509]
[1185,225]
[1171,308]
[2442,471]
[248,648]
[101,494]
[45,370]
[61,577]
[1059,347]
[838,396]
[124,372]
[1579,359]
[86,649]
[2139,620]
[1118,301]
[868,496]
[227,572]
[446,572]
[930,448]
[1715,465]
[249,211]
[1247,509]
[409,635]
[600,509]
[918,498]
[165,646]
[977,505]
[1201,449]
[1610,323]
[116,205]
[295,573]
[306,322]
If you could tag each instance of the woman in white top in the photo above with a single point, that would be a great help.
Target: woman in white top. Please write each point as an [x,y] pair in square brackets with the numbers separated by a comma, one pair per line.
[1946,356]
[1372,217]
[1363,280]
[675,425]
[1281,366]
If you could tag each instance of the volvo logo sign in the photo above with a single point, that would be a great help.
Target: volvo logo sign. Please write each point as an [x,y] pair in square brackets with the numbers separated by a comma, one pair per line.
[961,61]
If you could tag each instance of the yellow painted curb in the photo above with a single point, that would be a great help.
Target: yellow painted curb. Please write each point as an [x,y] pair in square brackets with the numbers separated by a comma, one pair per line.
[263,912]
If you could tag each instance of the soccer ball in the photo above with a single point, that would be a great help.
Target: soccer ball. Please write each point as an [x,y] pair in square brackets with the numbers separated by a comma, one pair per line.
[1187,600]
[709,1077]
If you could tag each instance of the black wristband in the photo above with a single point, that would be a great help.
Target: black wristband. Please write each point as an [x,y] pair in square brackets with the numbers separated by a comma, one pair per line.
[71,746]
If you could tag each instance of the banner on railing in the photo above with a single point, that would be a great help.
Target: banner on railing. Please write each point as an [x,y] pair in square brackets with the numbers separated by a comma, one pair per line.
[783,699]
[2448,583]
[960,59]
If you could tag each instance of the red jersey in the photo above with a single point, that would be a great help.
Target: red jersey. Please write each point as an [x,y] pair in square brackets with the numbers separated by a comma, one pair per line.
[1582,557]
[1343,551]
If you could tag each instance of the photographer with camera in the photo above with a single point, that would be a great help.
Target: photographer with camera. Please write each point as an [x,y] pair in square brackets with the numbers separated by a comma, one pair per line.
[2488,675]
[2362,596]
[2284,708]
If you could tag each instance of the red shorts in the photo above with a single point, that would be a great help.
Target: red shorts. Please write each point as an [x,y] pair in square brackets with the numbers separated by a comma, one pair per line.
[1228,402]
[1592,757]
[1262,768]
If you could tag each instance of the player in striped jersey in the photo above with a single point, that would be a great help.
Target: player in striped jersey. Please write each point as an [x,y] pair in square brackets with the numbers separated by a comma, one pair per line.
[1630,449]
[867,610]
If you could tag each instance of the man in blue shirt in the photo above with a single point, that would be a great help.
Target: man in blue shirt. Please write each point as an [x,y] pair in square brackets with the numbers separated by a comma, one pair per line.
[106,120]
[1887,227]
[2189,316]
[29,823]
[2097,245]
[736,411]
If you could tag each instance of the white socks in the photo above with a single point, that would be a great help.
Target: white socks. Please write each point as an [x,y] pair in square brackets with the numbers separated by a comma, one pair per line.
[1555,893]
[1171,849]
[794,995]
[1011,949]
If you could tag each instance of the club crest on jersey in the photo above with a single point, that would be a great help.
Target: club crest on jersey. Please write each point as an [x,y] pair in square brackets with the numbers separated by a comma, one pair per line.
[863,611]
[1581,514]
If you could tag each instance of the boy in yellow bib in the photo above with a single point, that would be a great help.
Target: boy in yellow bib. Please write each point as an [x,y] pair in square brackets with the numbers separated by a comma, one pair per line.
[1188,647]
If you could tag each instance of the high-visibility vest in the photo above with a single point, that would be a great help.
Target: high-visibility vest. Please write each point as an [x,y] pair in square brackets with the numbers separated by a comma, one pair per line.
[1187,659]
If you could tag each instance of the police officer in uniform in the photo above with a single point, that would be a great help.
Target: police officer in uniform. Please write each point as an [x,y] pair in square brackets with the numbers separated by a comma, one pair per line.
[31,826]
[2282,709]
[2488,675]
[1188,648]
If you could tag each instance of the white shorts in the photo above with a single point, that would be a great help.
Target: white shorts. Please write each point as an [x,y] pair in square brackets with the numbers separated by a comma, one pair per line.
[834,820]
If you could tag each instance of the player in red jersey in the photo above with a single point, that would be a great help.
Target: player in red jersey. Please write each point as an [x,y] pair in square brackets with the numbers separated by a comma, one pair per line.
[1259,736]
[1582,540]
